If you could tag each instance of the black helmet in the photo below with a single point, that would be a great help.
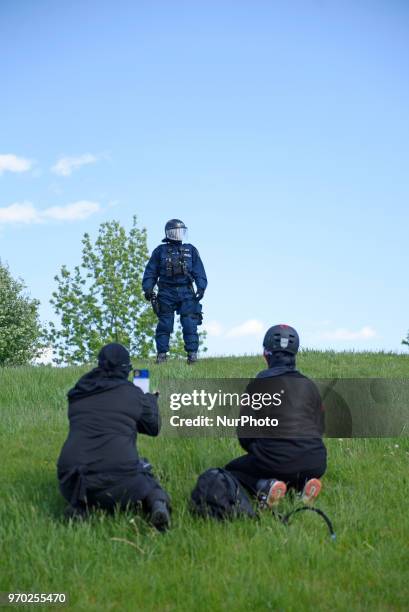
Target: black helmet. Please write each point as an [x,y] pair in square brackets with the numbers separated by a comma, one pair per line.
[175,230]
[114,358]
[281,338]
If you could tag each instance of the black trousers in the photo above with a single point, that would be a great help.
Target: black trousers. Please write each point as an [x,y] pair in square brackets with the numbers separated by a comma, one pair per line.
[248,471]
[108,491]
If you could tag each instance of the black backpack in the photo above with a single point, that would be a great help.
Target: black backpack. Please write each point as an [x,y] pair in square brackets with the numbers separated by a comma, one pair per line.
[218,494]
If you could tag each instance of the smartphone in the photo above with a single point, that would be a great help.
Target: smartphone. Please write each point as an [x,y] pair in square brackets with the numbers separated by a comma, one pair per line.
[141,379]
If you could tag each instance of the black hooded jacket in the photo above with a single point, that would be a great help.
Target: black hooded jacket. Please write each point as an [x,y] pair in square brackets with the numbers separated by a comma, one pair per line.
[106,412]
[296,443]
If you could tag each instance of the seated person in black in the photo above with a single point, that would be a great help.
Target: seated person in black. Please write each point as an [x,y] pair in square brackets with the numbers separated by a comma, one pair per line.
[99,466]
[291,454]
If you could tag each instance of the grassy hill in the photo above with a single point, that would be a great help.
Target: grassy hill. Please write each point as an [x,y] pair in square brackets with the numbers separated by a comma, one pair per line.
[121,564]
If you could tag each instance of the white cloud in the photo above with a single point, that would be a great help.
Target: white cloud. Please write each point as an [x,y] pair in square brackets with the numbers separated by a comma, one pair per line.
[45,357]
[25,212]
[252,327]
[65,165]
[12,163]
[213,328]
[76,211]
[365,333]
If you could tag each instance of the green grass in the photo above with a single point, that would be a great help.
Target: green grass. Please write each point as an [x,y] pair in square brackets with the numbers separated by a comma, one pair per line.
[119,563]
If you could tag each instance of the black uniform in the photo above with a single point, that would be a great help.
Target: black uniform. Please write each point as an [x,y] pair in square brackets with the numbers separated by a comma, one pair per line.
[174,266]
[99,463]
[294,451]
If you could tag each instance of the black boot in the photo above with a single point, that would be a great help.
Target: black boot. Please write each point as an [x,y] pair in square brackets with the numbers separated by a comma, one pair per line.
[191,358]
[161,358]
[77,513]
[159,516]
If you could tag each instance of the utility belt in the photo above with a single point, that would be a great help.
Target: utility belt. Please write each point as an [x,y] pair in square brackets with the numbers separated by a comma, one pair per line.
[169,285]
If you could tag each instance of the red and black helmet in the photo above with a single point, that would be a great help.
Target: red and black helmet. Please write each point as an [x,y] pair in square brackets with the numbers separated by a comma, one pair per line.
[281,338]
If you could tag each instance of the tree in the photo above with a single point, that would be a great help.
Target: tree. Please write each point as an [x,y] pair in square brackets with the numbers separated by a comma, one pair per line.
[20,330]
[101,301]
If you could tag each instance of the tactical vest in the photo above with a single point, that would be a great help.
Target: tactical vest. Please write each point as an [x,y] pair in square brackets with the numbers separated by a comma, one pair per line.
[177,260]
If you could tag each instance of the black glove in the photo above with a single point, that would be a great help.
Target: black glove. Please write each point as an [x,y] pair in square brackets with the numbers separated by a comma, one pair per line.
[199,294]
[148,295]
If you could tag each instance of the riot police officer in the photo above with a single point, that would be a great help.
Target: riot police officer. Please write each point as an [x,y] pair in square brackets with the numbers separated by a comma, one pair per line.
[174,266]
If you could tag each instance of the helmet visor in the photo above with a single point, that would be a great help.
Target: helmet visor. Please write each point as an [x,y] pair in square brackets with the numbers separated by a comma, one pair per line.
[176,233]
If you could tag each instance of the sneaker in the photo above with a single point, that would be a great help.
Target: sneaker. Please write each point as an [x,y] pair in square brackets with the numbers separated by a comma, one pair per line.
[161,358]
[271,494]
[311,491]
[160,517]
[191,358]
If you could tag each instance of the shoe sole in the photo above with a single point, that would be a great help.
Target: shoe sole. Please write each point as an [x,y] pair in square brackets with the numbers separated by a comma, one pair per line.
[311,491]
[277,491]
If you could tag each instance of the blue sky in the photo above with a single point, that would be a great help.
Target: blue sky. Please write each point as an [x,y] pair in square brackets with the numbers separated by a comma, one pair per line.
[278,131]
